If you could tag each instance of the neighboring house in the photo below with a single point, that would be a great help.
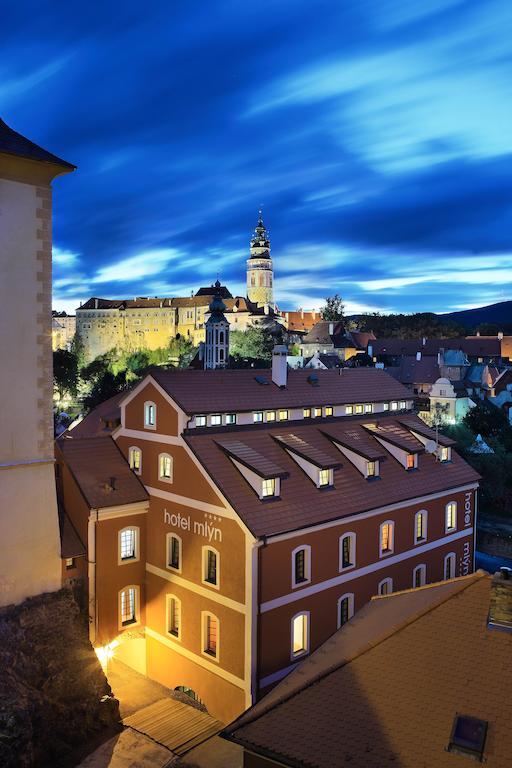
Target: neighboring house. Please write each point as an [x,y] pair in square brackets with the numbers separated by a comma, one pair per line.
[279,503]
[477,349]
[452,400]
[63,330]
[418,678]
[323,362]
[331,338]
[416,373]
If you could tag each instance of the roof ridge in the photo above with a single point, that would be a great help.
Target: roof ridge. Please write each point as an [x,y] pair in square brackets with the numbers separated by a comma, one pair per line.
[470,578]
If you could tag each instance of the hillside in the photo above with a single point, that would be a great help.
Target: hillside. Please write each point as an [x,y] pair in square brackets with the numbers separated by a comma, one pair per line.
[498,314]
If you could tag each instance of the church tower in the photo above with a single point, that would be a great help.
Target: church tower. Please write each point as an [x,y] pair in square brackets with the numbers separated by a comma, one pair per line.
[260,275]
[216,348]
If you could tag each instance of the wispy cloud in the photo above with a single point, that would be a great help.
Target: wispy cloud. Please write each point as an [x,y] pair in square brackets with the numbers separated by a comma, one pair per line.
[143,265]
[64,258]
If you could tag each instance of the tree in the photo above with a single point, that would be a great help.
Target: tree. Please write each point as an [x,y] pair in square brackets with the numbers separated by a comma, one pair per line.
[489,421]
[181,351]
[78,349]
[106,385]
[65,373]
[333,308]
[253,345]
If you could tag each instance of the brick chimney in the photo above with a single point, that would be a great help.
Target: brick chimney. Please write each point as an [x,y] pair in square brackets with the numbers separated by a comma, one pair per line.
[279,365]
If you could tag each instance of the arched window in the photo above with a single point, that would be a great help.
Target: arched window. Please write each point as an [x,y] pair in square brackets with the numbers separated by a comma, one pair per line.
[386,537]
[345,609]
[173,556]
[128,606]
[149,415]
[419,576]
[420,526]
[221,337]
[128,545]
[449,566]
[221,355]
[301,565]
[211,566]
[300,634]
[347,551]
[451,516]
[210,635]
[385,587]
[165,467]
[135,459]
[174,616]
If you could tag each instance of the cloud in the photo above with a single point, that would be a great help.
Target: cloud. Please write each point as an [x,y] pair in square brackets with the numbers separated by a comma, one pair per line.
[134,268]
[64,258]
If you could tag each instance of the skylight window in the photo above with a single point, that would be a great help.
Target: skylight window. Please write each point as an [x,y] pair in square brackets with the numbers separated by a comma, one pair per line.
[313,380]
[261,380]
[468,736]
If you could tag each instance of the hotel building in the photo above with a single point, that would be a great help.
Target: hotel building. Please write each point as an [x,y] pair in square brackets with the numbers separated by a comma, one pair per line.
[234,519]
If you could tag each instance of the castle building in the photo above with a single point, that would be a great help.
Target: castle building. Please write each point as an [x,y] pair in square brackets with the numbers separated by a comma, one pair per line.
[29,520]
[63,330]
[216,349]
[276,504]
[260,272]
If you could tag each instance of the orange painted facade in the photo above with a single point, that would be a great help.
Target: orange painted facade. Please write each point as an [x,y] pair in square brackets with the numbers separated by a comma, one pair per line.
[254,601]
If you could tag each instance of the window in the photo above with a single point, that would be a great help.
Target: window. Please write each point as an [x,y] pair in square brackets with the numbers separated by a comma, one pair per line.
[200,421]
[174,552]
[210,631]
[268,487]
[419,576]
[128,606]
[444,453]
[409,461]
[230,418]
[174,616]
[359,408]
[394,406]
[301,565]
[216,420]
[283,415]
[385,587]
[150,415]
[345,609]
[135,459]
[324,478]
[300,634]
[257,416]
[386,538]
[451,516]
[165,467]
[128,544]
[271,415]
[70,562]
[368,408]
[468,737]
[347,551]
[420,526]
[371,469]
[306,413]
[210,566]
[402,404]
[317,412]
[328,410]
[349,410]
[449,566]
[385,406]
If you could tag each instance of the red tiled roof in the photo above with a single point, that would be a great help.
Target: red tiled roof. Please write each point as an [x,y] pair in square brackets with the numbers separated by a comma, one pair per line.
[422,429]
[138,303]
[475,346]
[412,371]
[95,424]
[309,452]
[96,464]
[251,458]
[300,321]
[357,440]
[301,504]
[237,390]
[384,690]
[395,434]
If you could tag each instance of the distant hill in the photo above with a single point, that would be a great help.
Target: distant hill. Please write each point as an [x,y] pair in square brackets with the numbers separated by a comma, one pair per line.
[496,314]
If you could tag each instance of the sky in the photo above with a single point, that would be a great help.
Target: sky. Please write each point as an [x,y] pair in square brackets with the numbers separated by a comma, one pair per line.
[375,134]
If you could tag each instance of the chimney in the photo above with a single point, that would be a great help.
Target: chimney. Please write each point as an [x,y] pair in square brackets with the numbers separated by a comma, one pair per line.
[500,336]
[478,333]
[279,365]
[418,356]
[314,314]
[301,314]
[95,303]
[440,356]
[500,606]
[331,329]
[424,341]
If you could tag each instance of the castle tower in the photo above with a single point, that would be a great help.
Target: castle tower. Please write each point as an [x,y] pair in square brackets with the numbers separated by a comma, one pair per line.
[216,348]
[29,529]
[260,275]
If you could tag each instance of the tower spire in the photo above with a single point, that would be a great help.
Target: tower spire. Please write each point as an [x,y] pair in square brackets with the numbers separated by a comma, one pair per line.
[260,276]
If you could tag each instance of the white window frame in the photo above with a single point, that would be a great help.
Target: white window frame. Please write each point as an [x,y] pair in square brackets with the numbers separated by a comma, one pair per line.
[349,410]
[270,416]
[218,422]
[230,418]
[256,417]
[422,568]
[385,406]
[316,412]
[304,651]
[352,536]
[131,451]
[389,581]
[136,558]
[386,552]
[147,424]
[376,469]
[359,408]
[276,487]
[167,551]
[442,449]
[200,420]
[204,652]
[330,478]
[423,512]
[283,414]
[135,623]
[368,407]
[350,597]
[204,572]
[452,558]
[393,405]
[448,529]
[328,408]
[306,413]
[161,477]
[307,566]
[168,632]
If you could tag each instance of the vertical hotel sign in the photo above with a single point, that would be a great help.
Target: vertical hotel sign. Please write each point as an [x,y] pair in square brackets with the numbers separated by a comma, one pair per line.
[466,559]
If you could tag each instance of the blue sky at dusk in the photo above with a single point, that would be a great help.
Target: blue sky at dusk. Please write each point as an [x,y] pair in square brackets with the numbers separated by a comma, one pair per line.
[376,133]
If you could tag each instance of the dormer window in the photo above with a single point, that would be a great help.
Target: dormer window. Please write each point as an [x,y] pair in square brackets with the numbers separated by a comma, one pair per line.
[349,410]
[216,420]
[149,415]
[372,468]
[230,418]
[359,408]
[328,410]
[257,417]
[200,421]
[325,477]
[283,415]
[394,406]
[402,405]
[444,453]
[317,412]
[410,461]
[306,413]
[271,416]
[268,487]
[368,408]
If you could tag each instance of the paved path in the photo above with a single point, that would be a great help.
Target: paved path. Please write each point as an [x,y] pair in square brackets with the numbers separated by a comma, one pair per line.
[129,749]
